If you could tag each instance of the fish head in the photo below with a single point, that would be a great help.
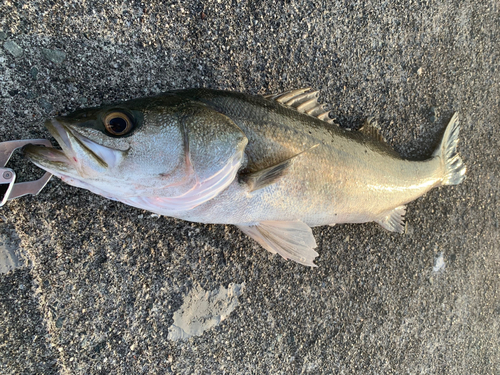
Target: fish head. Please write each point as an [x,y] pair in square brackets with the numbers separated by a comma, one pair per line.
[165,154]
[117,151]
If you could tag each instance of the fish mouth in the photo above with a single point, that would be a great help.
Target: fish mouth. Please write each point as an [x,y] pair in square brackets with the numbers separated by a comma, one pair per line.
[79,156]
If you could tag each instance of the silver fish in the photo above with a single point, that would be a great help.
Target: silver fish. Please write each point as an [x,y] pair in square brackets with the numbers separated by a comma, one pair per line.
[274,166]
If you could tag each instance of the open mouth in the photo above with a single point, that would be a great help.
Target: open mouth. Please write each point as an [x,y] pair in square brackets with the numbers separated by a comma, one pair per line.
[77,153]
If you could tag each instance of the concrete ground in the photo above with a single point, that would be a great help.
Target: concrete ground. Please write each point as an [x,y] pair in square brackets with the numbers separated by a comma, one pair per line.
[105,288]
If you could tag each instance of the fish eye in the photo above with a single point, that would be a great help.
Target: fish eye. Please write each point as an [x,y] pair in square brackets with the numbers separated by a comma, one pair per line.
[118,123]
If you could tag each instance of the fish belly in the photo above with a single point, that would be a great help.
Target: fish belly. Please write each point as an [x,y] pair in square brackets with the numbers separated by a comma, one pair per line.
[325,187]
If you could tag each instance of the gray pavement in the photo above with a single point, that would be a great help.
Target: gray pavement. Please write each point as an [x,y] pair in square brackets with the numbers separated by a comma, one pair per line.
[100,282]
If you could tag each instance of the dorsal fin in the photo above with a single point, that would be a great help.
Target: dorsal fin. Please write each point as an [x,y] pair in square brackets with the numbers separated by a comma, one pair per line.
[305,101]
[372,129]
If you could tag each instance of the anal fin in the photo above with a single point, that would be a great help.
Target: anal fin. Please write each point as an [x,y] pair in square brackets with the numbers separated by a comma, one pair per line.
[290,239]
[393,220]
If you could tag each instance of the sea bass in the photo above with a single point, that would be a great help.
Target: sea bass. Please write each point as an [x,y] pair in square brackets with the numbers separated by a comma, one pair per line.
[273,166]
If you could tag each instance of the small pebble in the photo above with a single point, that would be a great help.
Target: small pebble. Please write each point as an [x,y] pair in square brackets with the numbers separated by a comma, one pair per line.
[34,73]
[13,48]
[53,55]
[30,95]
[45,104]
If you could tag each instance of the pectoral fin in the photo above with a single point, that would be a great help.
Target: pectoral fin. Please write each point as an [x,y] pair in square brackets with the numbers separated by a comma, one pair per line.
[393,220]
[290,239]
[265,177]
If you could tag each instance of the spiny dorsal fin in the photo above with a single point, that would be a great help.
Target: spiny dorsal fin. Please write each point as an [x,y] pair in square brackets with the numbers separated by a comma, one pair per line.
[305,101]
[371,129]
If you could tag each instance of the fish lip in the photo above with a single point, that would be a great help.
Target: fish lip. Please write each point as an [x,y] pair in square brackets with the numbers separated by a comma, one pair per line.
[60,133]
[51,159]
[66,136]
[67,161]
[46,157]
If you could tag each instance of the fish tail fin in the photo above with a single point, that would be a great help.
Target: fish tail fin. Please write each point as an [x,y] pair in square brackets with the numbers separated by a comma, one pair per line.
[454,168]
